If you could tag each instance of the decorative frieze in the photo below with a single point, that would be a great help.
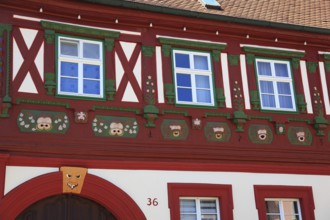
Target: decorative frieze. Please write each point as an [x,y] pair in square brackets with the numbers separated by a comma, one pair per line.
[260,134]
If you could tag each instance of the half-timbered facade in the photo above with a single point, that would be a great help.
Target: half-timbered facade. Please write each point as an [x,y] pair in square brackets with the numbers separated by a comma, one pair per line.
[159,110]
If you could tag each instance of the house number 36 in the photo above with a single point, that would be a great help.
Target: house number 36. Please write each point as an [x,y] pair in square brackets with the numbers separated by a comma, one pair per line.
[152,202]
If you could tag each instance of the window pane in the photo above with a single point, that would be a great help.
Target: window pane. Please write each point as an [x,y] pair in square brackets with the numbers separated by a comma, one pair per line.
[209,217]
[203,96]
[69,48]
[283,88]
[285,102]
[281,70]
[268,101]
[274,217]
[188,217]
[69,69]
[264,69]
[91,71]
[208,206]
[187,206]
[201,62]
[202,82]
[272,207]
[184,95]
[183,80]
[182,60]
[266,87]
[91,87]
[290,207]
[69,85]
[91,51]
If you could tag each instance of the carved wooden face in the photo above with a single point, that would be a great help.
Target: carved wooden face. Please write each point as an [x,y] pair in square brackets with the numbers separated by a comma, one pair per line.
[116,129]
[73,179]
[44,123]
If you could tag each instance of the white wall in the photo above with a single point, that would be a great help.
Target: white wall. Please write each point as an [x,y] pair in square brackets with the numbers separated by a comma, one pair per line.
[143,184]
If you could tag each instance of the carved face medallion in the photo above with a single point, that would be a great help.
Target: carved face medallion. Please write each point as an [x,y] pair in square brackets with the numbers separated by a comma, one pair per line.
[44,123]
[73,179]
[116,129]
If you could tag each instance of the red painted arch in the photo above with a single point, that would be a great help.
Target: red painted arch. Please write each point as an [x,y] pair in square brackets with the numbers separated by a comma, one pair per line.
[95,188]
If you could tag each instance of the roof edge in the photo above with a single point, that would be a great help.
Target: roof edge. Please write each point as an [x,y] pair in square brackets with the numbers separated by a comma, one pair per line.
[180,12]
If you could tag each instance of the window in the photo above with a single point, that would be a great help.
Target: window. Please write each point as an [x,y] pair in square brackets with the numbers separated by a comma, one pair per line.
[275,85]
[80,67]
[199,208]
[284,202]
[193,78]
[192,201]
[282,209]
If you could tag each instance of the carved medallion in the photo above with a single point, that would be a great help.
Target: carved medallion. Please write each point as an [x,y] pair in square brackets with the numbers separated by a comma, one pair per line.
[217,131]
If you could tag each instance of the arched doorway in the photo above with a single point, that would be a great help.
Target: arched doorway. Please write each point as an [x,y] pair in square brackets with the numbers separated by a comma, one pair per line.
[66,207]
[115,200]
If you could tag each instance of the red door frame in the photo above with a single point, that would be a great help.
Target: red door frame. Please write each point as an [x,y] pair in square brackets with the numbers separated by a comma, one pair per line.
[120,204]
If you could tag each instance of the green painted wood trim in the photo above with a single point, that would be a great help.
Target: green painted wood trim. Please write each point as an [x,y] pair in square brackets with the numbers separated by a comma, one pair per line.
[50,83]
[217,114]
[216,55]
[166,50]
[49,36]
[327,66]
[110,89]
[311,67]
[167,111]
[285,53]
[6,99]
[233,59]
[109,43]
[299,120]
[194,44]
[42,102]
[268,118]
[169,93]
[255,101]
[302,105]
[295,63]
[148,51]
[250,58]
[220,97]
[119,109]
[79,30]
[326,56]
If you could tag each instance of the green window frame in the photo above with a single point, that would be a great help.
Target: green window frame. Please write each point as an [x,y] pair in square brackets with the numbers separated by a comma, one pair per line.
[193,78]
[80,67]
[275,85]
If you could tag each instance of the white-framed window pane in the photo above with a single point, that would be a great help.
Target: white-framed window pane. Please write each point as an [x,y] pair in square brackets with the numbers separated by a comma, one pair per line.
[69,85]
[281,69]
[208,206]
[209,217]
[283,88]
[184,94]
[188,217]
[266,87]
[69,48]
[201,62]
[91,87]
[203,95]
[182,60]
[273,207]
[91,71]
[264,68]
[187,206]
[91,51]
[69,69]
[291,210]
[268,101]
[183,80]
[274,217]
[285,102]
[202,81]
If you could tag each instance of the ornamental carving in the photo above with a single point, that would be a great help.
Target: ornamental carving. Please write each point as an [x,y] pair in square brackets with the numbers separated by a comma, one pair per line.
[119,127]
[42,121]
[260,134]
[300,136]
[217,131]
[73,179]
[174,129]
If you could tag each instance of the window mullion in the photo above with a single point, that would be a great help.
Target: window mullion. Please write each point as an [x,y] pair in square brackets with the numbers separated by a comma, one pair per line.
[281,210]
[198,209]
